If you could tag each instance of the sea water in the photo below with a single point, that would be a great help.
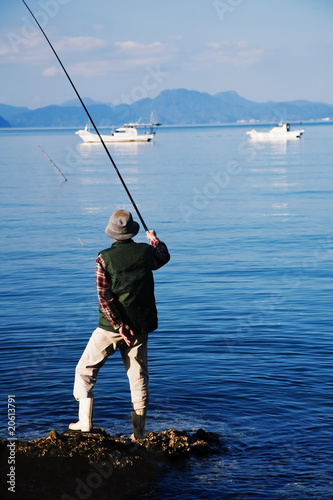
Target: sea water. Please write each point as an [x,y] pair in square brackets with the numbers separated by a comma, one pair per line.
[244,346]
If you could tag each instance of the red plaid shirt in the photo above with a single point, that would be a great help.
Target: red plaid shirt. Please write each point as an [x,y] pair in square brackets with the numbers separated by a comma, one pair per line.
[160,257]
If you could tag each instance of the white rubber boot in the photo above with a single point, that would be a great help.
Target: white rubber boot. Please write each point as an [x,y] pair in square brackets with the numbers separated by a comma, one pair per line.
[84,423]
[138,422]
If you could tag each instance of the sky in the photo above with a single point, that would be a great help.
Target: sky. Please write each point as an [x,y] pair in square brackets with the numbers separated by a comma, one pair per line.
[121,51]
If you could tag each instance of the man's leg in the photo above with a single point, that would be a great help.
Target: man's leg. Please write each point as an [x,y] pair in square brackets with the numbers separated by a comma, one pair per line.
[136,365]
[101,345]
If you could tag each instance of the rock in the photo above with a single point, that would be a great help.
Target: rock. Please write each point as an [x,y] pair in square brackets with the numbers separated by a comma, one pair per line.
[94,465]
[53,435]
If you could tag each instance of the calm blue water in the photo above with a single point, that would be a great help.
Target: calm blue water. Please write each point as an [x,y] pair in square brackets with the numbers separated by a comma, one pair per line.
[244,346]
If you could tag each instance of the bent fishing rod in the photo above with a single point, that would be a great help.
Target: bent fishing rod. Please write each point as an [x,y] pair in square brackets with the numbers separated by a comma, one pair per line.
[91,120]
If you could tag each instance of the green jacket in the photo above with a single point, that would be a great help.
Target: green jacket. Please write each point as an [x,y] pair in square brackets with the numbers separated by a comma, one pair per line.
[129,273]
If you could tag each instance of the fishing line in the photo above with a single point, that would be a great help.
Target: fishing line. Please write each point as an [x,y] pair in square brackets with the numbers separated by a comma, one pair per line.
[51,161]
[91,120]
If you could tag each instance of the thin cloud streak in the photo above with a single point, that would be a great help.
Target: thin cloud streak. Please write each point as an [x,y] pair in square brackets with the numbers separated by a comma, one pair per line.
[79,44]
[90,69]
[133,47]
[119,58]
[237,54]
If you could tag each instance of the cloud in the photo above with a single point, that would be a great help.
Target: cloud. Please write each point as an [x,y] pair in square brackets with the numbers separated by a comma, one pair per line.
[125,56]
[90,68]
[241,44]
[237,54]
[5,50]
[101,68]
[79,44]
[86,56]
[52,71]
[21,50]
[85,69]
[99,27]
[132,55]
[135,48]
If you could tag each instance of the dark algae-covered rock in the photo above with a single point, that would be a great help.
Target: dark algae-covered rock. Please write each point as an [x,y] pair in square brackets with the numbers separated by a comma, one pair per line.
[95,465]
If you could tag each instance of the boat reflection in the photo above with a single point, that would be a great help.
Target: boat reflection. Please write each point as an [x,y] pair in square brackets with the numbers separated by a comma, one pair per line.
[120,148]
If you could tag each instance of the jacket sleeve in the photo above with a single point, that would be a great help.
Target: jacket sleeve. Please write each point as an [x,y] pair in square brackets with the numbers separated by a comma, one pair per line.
[106,300]
[160,253]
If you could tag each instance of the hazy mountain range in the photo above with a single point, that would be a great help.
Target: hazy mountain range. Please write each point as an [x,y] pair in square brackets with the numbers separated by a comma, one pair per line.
[170,107]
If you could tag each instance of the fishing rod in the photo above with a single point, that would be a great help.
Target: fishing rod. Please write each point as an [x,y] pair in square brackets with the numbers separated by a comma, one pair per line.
[47,156]
[91,120]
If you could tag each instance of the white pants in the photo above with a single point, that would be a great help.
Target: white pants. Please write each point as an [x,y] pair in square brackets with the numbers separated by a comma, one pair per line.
[103,344]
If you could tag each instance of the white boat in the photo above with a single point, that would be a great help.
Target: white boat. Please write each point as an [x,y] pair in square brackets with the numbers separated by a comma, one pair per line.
[281,132]
[127,133]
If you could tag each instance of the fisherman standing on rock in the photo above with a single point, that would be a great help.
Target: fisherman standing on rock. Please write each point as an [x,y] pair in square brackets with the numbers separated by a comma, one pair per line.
[127,313]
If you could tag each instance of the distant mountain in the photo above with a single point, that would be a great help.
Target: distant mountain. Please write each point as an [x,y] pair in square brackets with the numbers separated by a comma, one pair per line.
[58,116]
[171,107]
[87,101]
[8,113]
[4,123]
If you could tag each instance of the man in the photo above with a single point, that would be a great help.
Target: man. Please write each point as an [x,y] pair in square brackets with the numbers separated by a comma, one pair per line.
[127,313]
